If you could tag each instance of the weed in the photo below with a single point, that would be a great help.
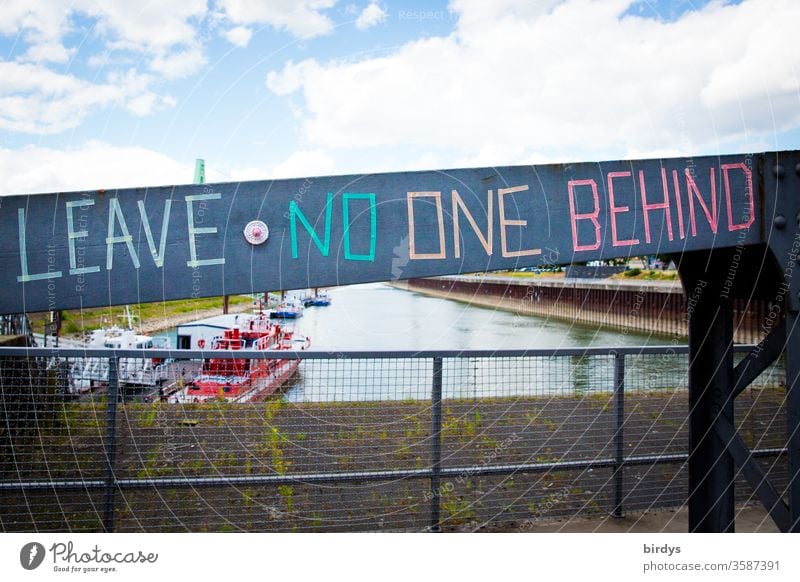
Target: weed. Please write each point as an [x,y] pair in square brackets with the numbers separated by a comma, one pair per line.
[456,509]
[148,417]
[287,492]
[271,409]
[489,443]
[151,468]
[279,463]
[316,520]
[533,415]
[461,426]
[550,424]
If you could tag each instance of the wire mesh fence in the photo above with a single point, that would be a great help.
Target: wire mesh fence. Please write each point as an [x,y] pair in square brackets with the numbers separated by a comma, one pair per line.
[353,441]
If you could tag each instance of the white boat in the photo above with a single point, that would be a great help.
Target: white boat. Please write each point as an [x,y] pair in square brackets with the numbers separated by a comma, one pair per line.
[316,298]
[288,309]
[88,372]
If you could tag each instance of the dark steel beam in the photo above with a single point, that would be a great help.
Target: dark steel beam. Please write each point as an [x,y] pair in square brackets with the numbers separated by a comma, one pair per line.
[711,470]
[752,472]
[793,415]
[759,359]
[436,444]
[110,445]
[143,245]
[619,435]
[780,187]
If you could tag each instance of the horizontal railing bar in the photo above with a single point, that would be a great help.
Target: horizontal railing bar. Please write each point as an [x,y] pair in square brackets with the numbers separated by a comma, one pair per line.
[62,484]
[351,476]
[332,355]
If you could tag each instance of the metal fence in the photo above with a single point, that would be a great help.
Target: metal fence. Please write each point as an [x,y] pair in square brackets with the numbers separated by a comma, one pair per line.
[412,441]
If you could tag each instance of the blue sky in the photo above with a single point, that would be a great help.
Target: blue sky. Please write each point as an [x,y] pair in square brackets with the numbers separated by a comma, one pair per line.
[114,93]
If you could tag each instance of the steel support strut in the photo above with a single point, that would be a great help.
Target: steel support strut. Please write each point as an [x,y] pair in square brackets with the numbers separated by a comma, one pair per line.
[436,445]
[714,443]
[792,353]
[110,444]
[711,469]
[753,364]
[710,278]
[781,196]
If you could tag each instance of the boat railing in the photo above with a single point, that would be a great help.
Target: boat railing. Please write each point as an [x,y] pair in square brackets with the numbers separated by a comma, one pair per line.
[140,371]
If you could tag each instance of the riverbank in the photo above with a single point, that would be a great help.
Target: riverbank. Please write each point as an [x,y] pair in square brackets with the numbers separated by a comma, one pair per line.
[653,307]
[147,318]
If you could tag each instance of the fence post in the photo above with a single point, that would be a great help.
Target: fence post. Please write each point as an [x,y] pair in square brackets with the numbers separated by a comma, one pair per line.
[436,444]
[619,421]
[111,443]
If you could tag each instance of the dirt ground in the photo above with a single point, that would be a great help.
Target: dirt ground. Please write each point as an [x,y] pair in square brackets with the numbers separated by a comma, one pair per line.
[219,439]
[750,518]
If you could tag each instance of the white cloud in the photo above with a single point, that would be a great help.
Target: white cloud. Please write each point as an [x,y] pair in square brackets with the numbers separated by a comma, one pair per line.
[166,38]
[154,29]
[572,80]
[44,20]
[150,27]
[371,15]
[165,31]
[174,65]
[240,36]
[298,164]
[48,52]
[303,163]
[34,99]
[148,103]
[36,169]
[474,16]
[292,77]
[161,36]
[107,59]
[301,18]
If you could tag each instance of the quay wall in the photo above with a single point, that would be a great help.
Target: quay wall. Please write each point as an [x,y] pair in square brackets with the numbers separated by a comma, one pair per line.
[657,307]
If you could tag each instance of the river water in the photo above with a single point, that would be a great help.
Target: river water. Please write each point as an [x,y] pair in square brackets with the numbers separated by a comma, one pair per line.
[377,317]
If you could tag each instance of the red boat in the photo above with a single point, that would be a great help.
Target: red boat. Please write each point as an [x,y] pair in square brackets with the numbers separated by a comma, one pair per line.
[241,379]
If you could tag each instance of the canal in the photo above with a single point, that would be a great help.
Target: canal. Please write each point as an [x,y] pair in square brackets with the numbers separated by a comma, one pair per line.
[378,317]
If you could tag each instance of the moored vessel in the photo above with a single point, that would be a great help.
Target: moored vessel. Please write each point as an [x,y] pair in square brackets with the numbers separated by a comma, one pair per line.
[288,309]
[244,379]
[316,299]
[86,373]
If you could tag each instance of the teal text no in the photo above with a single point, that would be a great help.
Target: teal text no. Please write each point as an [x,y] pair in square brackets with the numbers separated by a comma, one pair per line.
[349,216]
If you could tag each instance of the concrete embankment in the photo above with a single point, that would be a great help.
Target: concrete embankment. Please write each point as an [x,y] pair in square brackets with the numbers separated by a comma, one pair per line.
[658,307]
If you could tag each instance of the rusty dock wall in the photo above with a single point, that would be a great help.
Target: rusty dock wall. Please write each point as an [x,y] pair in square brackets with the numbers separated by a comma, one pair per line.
[658,307]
